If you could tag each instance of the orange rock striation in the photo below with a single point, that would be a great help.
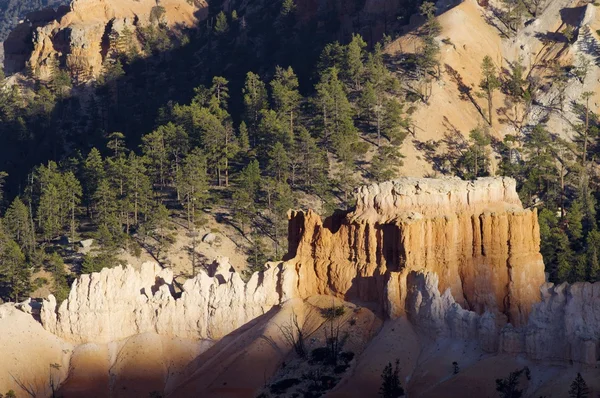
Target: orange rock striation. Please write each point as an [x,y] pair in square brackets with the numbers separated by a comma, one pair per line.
[475,236]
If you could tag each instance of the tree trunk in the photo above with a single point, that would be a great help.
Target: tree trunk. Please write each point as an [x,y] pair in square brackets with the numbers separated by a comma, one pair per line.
[490,108]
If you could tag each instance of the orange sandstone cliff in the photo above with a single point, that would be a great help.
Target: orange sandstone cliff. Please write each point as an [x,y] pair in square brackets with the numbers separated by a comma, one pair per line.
[475,236]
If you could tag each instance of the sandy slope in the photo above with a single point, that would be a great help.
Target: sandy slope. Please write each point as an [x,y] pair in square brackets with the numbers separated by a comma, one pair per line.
[27,351]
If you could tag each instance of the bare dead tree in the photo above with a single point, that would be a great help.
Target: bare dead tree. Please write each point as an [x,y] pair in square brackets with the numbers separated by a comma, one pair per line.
[294,334]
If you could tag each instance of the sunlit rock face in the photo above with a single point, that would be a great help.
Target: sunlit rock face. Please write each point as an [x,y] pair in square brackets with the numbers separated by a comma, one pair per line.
[78,37]
[117,303]
[475,236]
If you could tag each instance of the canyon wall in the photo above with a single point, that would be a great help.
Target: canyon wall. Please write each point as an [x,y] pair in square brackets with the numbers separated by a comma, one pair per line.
[475,236]
[78,36]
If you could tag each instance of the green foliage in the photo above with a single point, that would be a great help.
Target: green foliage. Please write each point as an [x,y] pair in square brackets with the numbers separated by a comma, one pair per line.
[390,385]
[192,183]
[355,61]
[18,226]
[221,24]
[9,394]
[333,312]
[157,14]
[60,287]
[489,83]
[14,271]
[286,97]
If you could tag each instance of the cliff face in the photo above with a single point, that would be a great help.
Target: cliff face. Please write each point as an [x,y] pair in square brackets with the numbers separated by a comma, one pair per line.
[475,236]
[78,37]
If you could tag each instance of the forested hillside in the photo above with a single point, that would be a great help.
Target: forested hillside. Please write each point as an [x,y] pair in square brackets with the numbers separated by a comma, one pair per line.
[255,112]
[12,11]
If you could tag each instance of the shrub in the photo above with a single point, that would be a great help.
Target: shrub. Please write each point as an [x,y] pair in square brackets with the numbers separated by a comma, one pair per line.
[333,312]
[283,385]
[391,386]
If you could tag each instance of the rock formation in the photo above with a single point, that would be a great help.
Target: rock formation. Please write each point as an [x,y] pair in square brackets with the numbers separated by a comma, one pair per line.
[475,236]
[118,303]
[78,37]
[563,327]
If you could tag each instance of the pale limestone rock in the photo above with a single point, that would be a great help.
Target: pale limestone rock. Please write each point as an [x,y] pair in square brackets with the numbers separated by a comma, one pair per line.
[565,326]
[117,303]
[438,314]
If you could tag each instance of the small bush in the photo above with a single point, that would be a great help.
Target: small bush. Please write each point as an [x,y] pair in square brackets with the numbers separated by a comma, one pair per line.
[319,355]
[283,385]
[340,369]
[347,356]
[39,282]
[390,386]
[333,312]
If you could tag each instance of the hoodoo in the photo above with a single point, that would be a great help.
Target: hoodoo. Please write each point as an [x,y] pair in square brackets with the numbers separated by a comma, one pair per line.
[475,236]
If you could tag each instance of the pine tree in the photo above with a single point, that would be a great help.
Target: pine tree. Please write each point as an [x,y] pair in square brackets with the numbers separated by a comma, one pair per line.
[284,200]
[272,129]
[138,187]
[286,97]
[391,386]
[375,102]
[93,173]
[116,143]
[279,162]
[14,271]
[564,256]
[73,192]
[159,227]
[592,252]
[255,101]
[17,222]
[574,219]
[385,163]
[338,127]
[219,93]
[52,210]
[509,387]
[193,184]
[243,138]
[354,62]
[221,24]
[579,388]
[489,83]
[154,148]
[3,176]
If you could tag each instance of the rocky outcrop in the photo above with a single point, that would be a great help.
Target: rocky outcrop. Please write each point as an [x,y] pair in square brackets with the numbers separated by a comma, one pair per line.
[79,37]
[439,315]
[565,326]
[117,303]
[475,237]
